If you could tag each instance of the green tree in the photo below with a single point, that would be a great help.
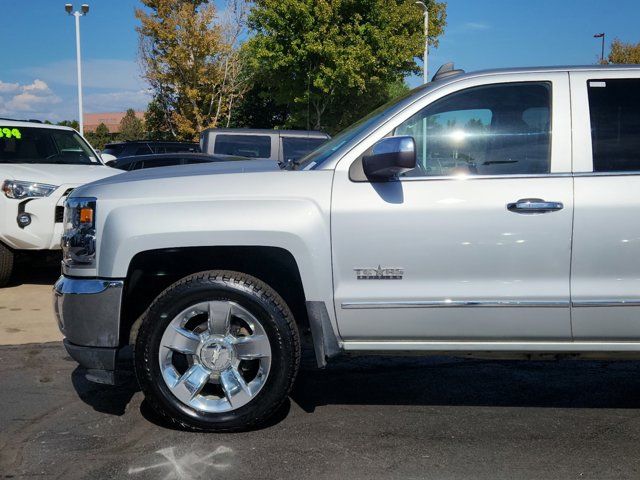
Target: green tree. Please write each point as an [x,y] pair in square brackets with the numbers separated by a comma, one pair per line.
[131,127]
[157,121]
[625,53]
[397,89]
[258,109]
[328,62]
[190,58]
[100,137]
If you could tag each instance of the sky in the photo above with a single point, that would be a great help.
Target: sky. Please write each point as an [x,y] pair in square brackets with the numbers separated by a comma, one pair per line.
[38,74]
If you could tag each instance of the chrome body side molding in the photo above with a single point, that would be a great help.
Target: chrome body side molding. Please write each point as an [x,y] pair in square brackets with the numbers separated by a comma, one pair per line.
[488,346]
[622,302]
[455,303]
[635,302]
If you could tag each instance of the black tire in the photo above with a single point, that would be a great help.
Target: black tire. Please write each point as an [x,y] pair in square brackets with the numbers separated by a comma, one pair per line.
[6,265]
[258,298]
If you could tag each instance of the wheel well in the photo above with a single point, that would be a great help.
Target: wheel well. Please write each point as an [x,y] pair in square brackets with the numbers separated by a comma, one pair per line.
[153,271]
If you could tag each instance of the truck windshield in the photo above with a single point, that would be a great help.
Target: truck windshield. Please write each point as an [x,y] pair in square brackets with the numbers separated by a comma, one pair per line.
[44,145]
[321,154]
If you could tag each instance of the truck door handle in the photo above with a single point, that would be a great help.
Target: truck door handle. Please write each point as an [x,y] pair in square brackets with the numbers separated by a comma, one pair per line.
[534,205]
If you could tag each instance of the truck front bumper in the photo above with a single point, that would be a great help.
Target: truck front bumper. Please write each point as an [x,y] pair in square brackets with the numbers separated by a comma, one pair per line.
[88,314]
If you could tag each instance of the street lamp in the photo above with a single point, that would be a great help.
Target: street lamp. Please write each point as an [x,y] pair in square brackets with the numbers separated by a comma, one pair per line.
[602,36]
[84,9]
[425,76]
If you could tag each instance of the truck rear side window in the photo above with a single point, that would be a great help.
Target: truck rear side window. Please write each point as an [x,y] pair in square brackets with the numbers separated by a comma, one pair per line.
[614,107]
[252,146]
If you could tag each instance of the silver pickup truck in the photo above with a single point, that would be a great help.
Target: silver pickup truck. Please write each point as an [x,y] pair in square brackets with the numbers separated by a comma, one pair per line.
[488,213]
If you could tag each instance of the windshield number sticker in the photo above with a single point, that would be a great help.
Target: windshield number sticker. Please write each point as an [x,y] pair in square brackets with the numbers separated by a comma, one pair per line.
[10,133]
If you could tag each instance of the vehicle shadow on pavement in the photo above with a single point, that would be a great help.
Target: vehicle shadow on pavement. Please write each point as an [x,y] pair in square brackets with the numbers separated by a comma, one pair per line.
[451,381]
[110,399]
[429,381]
[114,400]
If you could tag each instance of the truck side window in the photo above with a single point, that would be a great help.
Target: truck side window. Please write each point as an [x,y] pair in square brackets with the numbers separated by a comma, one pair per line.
[614,107]
[252,146]
[501,129]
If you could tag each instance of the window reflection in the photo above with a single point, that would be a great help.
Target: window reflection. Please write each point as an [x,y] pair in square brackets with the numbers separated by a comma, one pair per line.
[490,130]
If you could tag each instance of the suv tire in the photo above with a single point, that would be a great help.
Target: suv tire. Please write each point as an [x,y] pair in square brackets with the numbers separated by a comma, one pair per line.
[233,360]
[6,265]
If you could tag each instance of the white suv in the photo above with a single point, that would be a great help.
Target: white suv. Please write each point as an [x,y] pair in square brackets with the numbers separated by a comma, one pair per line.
[39,166]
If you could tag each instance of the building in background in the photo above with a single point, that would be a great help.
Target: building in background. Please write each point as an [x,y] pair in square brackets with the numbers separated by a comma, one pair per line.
[110,119]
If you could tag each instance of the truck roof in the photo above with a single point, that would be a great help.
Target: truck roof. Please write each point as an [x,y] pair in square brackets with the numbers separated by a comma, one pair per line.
[558,68]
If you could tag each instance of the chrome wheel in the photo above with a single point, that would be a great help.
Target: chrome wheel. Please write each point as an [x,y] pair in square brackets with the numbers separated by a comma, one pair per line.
[215,356]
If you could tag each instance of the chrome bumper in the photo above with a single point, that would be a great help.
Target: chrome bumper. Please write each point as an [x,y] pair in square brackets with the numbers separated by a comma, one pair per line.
[88,311]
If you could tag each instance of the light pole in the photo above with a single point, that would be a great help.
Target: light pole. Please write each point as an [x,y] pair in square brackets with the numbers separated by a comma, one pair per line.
[425,73]
[84,9]
[602,36]
[425,59]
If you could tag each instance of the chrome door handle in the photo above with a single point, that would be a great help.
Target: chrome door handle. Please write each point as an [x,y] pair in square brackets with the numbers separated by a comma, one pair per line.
[534,205]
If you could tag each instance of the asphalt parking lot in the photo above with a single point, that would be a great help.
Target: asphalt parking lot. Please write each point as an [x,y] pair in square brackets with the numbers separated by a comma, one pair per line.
[362,418]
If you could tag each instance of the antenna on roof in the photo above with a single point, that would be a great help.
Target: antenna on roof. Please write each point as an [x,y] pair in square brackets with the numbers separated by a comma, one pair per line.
[445,71]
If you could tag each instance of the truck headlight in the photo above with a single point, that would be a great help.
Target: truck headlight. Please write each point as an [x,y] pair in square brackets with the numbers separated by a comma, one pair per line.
[79,236]
[19,189]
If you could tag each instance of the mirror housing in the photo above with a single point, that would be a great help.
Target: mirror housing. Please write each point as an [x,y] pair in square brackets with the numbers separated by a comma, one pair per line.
[390,157]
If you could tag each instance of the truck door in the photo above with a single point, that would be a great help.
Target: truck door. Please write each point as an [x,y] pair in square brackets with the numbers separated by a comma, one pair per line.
[605,279]
[475,243]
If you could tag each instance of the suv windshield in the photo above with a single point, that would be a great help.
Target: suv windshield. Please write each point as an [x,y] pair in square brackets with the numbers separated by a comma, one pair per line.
[44,145]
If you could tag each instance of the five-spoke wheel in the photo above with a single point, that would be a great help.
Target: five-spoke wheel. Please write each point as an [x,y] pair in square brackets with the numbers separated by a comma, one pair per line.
[215,356]
[217,351]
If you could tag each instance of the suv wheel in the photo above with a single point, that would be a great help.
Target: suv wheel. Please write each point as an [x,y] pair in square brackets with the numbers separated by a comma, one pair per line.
[217,351]
[6,265]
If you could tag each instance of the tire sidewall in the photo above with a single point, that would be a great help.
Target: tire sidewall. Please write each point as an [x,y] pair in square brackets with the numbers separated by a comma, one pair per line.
[6,264]
[174,301]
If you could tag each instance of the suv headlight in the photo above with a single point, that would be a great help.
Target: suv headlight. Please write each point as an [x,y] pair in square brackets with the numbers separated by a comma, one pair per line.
[79,236]
[19,189]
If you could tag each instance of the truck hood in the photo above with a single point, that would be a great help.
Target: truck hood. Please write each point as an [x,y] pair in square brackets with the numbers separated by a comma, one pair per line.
[55,174]
[196,170]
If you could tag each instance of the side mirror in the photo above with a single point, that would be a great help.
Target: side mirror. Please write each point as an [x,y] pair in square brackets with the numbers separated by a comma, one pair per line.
[390,157]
